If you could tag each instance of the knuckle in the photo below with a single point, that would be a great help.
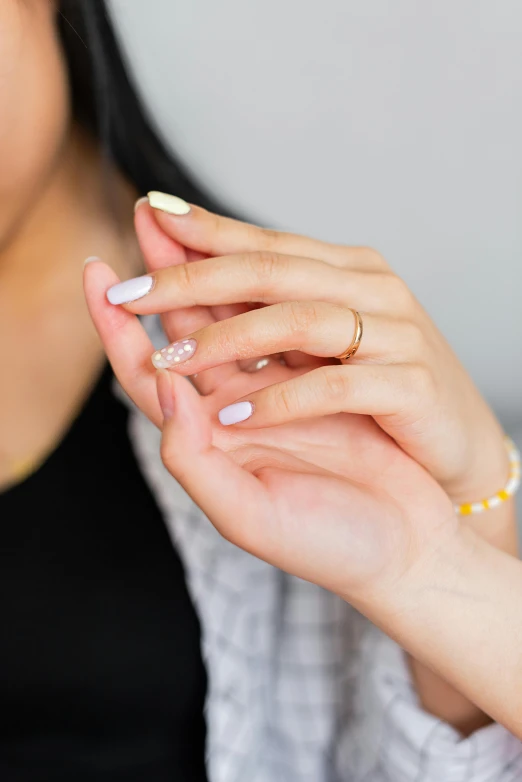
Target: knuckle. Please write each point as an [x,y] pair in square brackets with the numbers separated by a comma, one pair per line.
[167,453]
[334,384]
[364,258]
[266,238]
[299,316]
[218,225]
[396,291]
[402,293]
[286,399]
[421,382]
[185,277]
[373,258]
[414,338]
[267,266]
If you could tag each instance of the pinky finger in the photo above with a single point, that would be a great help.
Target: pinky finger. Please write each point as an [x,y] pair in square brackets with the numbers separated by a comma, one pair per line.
[374,390]
[124,339]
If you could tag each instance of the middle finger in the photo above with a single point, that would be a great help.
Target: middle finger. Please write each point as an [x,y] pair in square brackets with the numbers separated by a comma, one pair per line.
[252,277]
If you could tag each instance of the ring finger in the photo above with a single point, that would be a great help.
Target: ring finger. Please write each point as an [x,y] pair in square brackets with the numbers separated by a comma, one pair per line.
[316,328]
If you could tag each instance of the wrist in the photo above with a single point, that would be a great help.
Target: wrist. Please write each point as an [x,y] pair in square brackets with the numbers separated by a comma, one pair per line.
[402,592]
[492,482]
[487,466]
[457,612]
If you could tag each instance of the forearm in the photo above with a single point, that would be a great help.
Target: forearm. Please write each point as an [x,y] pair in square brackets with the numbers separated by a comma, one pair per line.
[435,695]
[460,615]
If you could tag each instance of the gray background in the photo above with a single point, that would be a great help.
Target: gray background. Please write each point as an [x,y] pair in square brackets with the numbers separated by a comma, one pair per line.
[395,124]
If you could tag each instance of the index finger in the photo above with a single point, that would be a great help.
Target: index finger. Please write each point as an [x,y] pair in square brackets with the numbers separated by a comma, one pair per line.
[212,234]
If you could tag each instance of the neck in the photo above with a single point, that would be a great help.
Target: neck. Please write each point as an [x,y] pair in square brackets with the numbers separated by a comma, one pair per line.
[85,208]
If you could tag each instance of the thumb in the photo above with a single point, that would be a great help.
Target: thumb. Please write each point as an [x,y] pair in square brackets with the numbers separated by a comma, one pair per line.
[233,499]
[158,248]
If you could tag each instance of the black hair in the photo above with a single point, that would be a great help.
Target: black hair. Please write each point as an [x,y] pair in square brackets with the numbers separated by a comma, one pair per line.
[107,104]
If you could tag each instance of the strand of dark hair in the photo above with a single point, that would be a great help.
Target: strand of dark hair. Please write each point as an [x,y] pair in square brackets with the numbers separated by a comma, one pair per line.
[107,104]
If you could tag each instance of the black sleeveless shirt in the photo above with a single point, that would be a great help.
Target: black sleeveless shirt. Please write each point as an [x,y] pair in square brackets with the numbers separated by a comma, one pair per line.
[101,674]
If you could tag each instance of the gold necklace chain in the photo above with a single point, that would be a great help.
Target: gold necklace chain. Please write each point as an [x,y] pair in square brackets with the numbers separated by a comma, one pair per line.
[19,468]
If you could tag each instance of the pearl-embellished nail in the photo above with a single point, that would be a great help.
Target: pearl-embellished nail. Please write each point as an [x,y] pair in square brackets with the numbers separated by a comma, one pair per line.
[234,414]
[174,354]
[130,290]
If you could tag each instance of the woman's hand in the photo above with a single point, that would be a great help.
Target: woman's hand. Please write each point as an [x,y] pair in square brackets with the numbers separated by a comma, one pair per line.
[404,375]
[333,500]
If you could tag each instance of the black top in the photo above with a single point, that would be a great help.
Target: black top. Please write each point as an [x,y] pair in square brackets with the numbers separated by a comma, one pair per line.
[101,675]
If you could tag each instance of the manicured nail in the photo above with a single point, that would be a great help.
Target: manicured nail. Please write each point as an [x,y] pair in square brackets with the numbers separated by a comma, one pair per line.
[139,202]
[130,290]
[174,354]
[168,203]
[91,259]
[254,365]
[234,414]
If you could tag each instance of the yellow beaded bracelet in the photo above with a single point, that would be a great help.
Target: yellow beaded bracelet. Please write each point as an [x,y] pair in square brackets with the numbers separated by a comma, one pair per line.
[504,494]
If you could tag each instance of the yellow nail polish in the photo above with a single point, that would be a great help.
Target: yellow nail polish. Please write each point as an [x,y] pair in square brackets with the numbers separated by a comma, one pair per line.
[170,204]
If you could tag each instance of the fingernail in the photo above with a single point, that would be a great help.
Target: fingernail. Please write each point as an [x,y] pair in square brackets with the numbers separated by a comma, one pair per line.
[174,354]
[254,365]
[165,399]
[234,414]
[130,290]
[91,259]
[168,203]
[139,202]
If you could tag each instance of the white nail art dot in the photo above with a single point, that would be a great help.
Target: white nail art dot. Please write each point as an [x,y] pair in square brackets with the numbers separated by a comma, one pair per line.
[180,351]
[170,350]
[157,357]
[169,358]
[176,358]
[187,347]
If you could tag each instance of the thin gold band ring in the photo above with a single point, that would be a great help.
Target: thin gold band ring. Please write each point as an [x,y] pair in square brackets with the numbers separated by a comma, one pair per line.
[356,341]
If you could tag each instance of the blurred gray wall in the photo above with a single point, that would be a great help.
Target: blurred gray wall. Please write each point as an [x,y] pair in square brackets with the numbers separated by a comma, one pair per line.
[395,124]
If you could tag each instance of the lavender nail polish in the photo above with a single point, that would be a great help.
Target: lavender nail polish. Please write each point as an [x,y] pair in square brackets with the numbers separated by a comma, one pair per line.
[234,414]
[130,290]
[174,354]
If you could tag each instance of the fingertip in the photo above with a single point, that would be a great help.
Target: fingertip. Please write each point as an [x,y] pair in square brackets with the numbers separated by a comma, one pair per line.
[236,413]
[158,247]
[91,259]
[98,277]
[170,204]
[140,202]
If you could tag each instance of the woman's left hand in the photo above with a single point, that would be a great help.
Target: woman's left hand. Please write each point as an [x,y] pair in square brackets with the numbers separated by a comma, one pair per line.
[404,375]
[331,498]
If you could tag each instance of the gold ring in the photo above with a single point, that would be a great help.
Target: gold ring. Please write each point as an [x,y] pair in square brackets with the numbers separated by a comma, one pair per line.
[356,341]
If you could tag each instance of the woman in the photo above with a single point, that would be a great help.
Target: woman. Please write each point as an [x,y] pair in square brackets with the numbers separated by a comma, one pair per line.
[102,673]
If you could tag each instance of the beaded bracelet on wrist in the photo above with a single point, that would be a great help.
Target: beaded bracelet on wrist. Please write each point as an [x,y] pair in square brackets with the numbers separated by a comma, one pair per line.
[511,487]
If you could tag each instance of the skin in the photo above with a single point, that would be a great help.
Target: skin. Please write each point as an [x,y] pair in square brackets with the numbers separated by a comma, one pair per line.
[54,213]
[391,449]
